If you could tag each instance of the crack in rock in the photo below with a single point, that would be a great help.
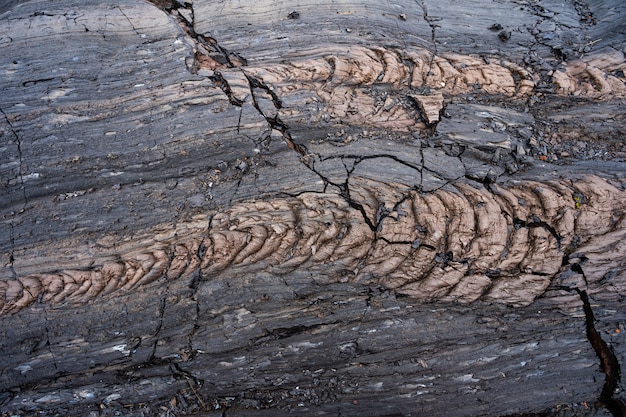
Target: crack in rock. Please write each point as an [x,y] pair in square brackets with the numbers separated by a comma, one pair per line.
[459,242]
[608,361]
[225,70]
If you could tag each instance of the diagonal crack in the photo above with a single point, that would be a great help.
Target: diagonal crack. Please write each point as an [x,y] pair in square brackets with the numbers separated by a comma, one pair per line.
[257,83]
[231,61]
[208,47]
[537,222]
[18,143]
[608,361]
[129,21]
[222,83]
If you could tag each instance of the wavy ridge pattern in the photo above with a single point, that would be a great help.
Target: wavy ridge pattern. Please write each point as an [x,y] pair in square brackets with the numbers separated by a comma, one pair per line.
[414,67]
[461,243]
[340,84]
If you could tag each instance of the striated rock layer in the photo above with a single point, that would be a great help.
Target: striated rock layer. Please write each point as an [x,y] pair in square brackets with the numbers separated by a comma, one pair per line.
[312,207]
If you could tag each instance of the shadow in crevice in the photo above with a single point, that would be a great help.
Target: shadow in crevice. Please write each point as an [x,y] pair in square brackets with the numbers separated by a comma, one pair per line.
[608,361]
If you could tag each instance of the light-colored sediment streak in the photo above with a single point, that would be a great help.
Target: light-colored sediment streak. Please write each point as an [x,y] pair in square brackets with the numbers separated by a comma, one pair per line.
[460,243]
[337,82]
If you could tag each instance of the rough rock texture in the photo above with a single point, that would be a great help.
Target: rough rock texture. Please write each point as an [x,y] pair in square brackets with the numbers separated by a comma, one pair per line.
[354,208]
[457,243]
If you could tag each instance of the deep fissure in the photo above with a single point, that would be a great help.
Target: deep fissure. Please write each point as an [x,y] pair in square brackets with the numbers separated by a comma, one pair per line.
[608,360]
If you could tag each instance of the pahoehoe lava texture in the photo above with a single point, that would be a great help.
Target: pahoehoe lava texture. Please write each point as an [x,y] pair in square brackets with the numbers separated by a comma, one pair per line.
[459,243]
[327,207]
[339,82]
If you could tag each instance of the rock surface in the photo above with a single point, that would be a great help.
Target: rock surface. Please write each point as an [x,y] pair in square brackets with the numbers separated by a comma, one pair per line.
[354,208]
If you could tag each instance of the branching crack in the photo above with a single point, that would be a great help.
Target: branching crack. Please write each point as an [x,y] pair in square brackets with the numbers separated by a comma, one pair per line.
[256,83]
[345,193]
[537,222]
[360,158]
[208,46]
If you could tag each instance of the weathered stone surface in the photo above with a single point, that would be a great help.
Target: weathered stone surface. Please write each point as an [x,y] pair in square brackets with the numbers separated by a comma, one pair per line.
[430,106]
[354,208]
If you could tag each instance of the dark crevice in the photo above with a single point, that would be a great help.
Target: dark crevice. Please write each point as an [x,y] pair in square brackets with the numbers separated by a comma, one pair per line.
[225,53]
[344,188]
[18,143]
[234,193]
[206,46]
[579,270]
[608,361]
[195,281]
[345,193]
[12,249]
[209,46]
[239,119]
[176,370]
[256,83]
[274,122]
[420,188]
[332,69]
[33,82]
[287,332]
[178,373]
[537,222]
[411,67]
[540,274]
[277,124]
[415,244]
[360,158]
[221,82]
